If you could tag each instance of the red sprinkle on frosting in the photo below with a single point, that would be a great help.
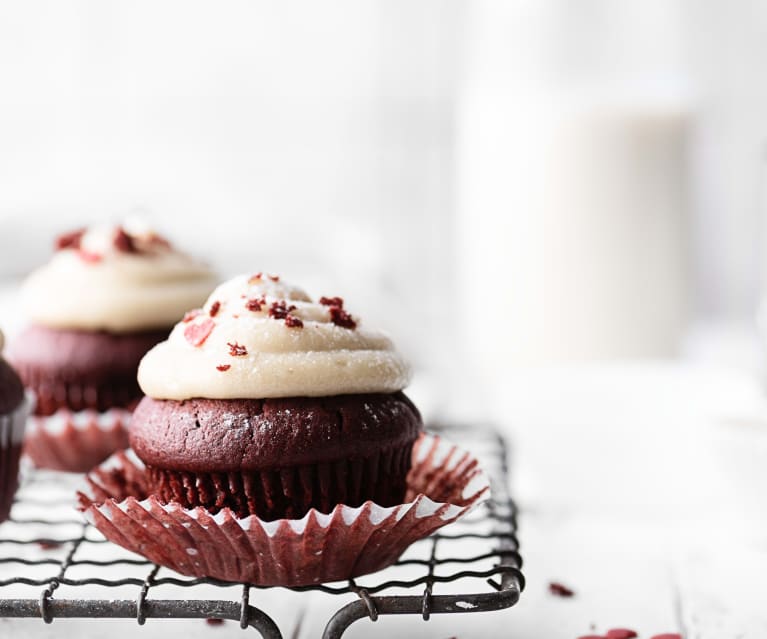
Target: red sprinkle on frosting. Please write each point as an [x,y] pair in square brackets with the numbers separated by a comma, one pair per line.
[274,278]
[332,301]
[223,367]
[341,318]
[69,240]
[237,350]
[88,256]
[280,310]
[196,334]
[190,315]
[255,278]
[214,308]
[255,304]
[123,242]
[560,590]
[621,633]
[291,321]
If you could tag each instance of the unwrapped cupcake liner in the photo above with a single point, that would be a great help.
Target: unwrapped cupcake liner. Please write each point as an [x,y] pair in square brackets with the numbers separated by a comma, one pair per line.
[443,484]
[11,437]
[76,441]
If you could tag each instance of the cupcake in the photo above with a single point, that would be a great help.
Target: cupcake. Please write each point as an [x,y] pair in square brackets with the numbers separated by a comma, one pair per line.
[267,403]
[104,299]
[13,415]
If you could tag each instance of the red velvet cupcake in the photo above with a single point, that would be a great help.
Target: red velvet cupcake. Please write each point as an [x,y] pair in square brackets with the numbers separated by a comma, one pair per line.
[13,414]
[105,298]
[269,404]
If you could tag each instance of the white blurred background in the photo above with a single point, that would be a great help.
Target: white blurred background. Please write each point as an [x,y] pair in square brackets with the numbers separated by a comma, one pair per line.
[494,182]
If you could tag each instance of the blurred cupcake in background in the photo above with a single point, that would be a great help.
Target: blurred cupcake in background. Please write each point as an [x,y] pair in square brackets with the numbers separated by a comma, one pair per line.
[14,408]
[107,295]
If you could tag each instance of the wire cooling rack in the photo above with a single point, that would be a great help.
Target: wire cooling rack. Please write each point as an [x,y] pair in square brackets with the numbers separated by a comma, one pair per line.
[46,549]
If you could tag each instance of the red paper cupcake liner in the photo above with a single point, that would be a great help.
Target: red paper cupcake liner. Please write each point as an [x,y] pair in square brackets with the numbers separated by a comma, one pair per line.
[76,441]
[11,435]
[443,484]
[289,493]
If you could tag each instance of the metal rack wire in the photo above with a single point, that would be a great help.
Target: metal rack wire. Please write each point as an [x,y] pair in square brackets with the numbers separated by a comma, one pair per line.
[45,546]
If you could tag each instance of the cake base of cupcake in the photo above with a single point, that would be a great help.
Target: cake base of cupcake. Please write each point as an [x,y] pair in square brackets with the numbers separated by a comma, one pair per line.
[443,484]
[11,435]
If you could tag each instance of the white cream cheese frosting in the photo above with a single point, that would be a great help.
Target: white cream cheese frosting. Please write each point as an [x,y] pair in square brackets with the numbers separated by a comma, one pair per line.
[258,337]
[118,279]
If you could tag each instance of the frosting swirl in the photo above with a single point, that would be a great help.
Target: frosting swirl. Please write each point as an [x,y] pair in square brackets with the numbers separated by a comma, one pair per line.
[258,337]
[118,279]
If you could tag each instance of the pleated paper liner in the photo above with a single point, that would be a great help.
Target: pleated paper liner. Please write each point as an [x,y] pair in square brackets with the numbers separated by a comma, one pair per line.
[444,483]
[76,441]
[11,435]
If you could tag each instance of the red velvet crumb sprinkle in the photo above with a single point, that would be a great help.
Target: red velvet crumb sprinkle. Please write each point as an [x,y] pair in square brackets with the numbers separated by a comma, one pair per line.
[280,310]
[255,278]
[124,242]
[621,633]
[88,256]
[255,304]
[237,350]
[69,240]
[332,301]
[560,590]
[291,321]
[49,544]
[223,367]
[274,278]
[214,308]
[190,315]
[341,318]
[214,621]
[196,334]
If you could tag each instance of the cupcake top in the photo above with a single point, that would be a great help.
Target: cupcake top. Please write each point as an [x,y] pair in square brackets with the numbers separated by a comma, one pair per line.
[11,388]
[258,337]
[119,279]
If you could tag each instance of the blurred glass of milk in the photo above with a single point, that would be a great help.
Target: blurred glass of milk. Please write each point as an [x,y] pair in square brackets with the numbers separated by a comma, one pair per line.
[572,214]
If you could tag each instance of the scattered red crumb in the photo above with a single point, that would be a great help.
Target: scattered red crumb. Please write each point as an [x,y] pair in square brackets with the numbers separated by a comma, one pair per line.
[332,301]
[123,241]
[49,544]
[158,240]
[255,278]
[255,304]
[667,635]
[87,256]
[196,334]
[340,317]
[237,350]
[274,278]
[214,308]
[223,367]
[560,590]
[214,621]
[291,321]
[190,315]
[280,310]
[621,633]
[69,240]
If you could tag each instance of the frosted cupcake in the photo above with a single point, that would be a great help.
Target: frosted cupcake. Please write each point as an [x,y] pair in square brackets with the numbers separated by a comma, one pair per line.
[270,404]
[13,414]
[105,298]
